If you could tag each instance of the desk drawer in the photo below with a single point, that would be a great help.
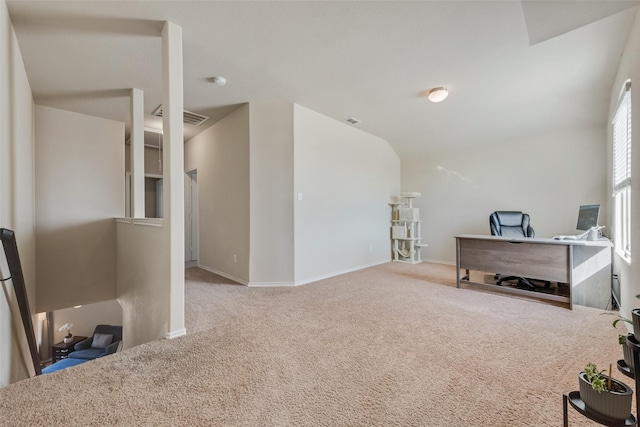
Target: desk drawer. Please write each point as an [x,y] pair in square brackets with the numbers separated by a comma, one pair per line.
[533,260]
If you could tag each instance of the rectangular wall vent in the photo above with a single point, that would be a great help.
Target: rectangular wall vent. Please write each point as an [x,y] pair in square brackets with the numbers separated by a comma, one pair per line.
[352,121]
[187,117]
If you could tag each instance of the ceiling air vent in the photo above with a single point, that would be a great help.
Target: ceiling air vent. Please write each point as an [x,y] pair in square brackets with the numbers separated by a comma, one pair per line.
[187,117]
[352,121]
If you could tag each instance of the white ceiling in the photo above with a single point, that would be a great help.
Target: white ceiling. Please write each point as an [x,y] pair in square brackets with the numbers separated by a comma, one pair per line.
[512,68]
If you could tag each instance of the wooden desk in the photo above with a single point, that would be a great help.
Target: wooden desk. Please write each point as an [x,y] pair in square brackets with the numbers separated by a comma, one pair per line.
[585,266]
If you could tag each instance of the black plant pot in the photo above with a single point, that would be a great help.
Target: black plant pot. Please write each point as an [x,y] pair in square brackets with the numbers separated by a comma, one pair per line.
[627,352]
[635,317]
[608,403]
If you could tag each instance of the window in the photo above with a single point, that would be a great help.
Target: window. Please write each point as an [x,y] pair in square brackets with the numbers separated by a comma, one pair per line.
[622,173]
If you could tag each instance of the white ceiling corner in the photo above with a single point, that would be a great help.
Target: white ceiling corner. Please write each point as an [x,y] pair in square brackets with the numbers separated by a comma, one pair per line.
[547,19]
[367,59]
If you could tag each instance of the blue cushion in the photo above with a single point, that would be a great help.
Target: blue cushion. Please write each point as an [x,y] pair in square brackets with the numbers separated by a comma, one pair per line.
[101,340]
[62,364]
[88,354]
[112,348]
[86,343]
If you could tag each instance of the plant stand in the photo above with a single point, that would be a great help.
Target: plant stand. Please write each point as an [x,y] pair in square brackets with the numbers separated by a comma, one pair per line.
[573,398]
[634,346]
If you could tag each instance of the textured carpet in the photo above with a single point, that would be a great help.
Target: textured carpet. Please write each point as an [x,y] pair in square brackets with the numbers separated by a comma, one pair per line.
[392,345]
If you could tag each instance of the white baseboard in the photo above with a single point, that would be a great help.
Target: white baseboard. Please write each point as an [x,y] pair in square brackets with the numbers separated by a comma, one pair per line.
[220,273]
[437,261]
[271,284]
[338,273]
[176,334]
[290,284]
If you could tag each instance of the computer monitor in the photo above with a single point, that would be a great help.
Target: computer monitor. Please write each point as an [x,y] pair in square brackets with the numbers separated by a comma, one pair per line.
[588,217]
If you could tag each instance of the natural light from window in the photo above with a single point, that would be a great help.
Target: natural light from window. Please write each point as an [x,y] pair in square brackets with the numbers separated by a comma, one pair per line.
[622,174]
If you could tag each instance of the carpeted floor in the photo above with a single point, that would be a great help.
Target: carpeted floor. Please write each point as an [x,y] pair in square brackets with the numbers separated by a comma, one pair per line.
[392,345]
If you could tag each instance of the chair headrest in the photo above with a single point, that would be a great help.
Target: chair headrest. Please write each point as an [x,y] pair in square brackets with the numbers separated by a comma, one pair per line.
[509,218]
[115,330]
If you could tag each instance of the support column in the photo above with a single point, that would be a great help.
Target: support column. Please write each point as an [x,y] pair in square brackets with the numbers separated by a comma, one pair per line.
[173,170]
[137,153]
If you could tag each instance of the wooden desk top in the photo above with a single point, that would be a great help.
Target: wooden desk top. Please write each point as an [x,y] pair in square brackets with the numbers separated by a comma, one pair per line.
[541,240]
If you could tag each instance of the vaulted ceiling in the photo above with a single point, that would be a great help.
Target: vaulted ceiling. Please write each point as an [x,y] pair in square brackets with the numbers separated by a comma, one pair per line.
[512,67]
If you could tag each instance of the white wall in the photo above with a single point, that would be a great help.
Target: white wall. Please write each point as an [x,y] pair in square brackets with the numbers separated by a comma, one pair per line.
[271,164]
[548,176]
[17,192]
[221,156]
[347,178]
[629,69]
[79,190]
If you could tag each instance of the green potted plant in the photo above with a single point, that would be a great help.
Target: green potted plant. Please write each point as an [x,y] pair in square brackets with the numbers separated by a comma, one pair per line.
[604,394]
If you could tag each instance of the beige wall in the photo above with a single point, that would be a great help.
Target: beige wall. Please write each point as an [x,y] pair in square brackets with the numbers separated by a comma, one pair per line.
[143,281]
[548,176]
[221,156]
[152,170]
[151,164]
[86,318]
[257,159]
[629,69]
[17,192]
[150,197]
[149,252]
[347,178]
[271,160]
[79,190]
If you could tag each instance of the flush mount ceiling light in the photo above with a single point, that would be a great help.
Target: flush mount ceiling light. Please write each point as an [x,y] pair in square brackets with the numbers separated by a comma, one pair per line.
[438,94]
[219,80]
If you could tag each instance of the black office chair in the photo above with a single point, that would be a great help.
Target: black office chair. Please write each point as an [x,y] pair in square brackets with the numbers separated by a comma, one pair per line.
[512,224]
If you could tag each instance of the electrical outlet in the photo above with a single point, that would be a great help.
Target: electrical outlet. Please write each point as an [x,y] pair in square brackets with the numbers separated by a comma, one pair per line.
[370,248]
[235,258]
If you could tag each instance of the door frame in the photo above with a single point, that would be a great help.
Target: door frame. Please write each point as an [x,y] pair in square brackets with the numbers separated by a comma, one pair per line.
[191,226]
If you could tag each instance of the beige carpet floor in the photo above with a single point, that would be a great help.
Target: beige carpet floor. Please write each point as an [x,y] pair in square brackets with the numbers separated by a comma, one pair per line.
[392,345]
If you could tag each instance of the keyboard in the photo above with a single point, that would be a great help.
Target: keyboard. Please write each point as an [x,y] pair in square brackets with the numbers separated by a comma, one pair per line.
[565,237]
[576,237]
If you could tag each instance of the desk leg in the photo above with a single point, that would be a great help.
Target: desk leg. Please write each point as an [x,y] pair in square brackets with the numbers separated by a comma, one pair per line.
[636,362]
[570,268]
[565,416]
[458,263]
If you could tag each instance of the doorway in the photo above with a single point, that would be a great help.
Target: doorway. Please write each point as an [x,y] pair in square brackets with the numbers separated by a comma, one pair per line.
[191,216]
[153,196]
